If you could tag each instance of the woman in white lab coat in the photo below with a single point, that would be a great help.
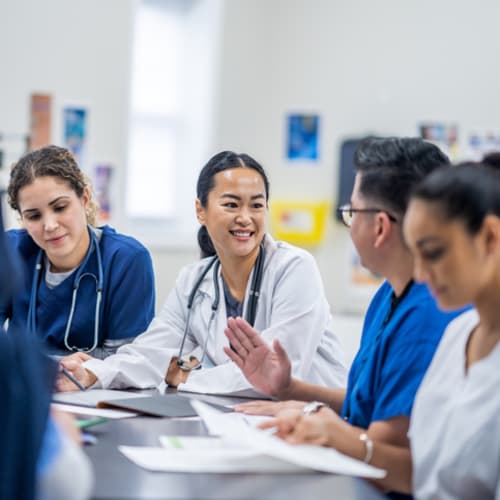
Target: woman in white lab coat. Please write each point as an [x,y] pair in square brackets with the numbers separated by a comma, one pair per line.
[244,272]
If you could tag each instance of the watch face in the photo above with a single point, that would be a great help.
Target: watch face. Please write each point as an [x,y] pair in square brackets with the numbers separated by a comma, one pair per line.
[312,407]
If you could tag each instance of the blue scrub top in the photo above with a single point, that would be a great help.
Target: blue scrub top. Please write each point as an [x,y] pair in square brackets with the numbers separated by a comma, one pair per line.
[393,358]
[128,296]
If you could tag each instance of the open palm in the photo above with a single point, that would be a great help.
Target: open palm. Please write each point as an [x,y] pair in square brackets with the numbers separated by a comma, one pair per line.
[267,368]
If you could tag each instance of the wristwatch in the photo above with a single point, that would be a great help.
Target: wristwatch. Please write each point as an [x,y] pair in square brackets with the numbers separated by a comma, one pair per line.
[312,407]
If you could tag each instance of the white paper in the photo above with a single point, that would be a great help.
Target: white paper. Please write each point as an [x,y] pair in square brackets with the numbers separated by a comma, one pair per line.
[206,460]
[314,457]
[198,443]
[92,396]
[93,412]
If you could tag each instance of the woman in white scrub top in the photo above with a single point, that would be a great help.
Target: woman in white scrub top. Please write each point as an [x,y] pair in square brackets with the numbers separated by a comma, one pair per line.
[453,229]
[275,285]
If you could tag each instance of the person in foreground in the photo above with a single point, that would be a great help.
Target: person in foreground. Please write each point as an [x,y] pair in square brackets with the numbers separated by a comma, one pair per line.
[276,286]
[453,229]
[401,331]
[38,448]
[85,288]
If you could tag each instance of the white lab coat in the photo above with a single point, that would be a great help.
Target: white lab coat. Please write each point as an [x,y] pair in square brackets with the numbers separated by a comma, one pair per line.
[292,307]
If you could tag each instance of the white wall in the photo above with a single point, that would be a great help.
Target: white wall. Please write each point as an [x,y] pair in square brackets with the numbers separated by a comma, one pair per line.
[78,52]
[364,66]
[367,67]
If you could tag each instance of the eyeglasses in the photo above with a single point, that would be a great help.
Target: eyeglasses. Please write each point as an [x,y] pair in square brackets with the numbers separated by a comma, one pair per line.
[346,213]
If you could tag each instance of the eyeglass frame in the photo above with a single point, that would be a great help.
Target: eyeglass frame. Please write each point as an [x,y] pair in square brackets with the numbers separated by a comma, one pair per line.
[349,209]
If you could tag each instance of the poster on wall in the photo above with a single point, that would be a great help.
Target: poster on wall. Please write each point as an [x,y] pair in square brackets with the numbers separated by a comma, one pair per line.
[40,121]
[302,137]
[443,135]
[481,144]
[102,187]
[75,132]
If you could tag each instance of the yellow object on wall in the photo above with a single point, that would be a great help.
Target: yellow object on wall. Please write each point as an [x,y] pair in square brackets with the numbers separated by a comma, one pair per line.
[301,223]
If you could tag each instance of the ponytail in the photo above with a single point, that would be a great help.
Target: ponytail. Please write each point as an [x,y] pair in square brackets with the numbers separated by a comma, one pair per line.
[205,243]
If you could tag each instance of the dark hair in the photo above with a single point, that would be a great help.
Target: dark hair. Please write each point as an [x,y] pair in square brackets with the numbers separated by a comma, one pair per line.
[390,167]
[492,159]
[49,161]
[225,160]
[467,192]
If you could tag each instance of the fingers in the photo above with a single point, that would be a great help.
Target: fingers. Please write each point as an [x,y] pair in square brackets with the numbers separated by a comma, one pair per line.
[80,357]
[241,334]
[64,385]
[270,408]
[75,368]
[235,342]
[250,334]
[233,357]
[284,424]
[280,352]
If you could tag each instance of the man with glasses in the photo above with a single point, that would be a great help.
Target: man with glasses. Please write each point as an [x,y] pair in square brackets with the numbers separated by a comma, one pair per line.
[402,327]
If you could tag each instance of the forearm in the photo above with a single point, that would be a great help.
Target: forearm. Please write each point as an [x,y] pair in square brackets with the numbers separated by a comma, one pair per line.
[303,391]
[396,460]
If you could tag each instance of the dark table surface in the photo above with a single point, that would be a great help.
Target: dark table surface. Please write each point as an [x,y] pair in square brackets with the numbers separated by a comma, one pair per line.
[118,478]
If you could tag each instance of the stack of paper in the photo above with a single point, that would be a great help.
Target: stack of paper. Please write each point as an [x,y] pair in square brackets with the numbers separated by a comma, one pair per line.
[241,448]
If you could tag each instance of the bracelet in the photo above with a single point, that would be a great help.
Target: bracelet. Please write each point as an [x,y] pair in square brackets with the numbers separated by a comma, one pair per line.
[369,447]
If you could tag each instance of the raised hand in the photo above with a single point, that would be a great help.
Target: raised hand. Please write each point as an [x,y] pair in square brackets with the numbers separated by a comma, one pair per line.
[267,368]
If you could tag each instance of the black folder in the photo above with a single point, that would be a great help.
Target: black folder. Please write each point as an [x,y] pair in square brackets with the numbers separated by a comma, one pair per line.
[168,405]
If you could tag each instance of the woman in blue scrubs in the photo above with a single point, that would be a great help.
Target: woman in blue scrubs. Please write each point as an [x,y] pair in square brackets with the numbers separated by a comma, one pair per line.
[85,288]
[38,448]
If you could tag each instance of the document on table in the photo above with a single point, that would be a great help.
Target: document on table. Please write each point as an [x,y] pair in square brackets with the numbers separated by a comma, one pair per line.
[242,448]
[92,397]
[202,454]
[93,412]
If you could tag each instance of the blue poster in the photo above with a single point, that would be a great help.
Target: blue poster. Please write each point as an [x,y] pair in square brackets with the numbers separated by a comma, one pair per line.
[303,137]
[75,133]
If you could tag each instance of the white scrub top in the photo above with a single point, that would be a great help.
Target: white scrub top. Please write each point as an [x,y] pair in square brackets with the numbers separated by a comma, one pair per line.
[455,423]
[292,308]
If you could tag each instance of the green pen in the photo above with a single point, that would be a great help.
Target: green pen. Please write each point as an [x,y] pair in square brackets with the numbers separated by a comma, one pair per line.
[83,424]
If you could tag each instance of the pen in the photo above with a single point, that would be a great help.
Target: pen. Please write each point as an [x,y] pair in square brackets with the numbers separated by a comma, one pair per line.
[73,379]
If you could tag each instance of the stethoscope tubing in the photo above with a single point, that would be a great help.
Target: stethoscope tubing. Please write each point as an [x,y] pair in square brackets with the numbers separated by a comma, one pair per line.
[253,299]
[79,276]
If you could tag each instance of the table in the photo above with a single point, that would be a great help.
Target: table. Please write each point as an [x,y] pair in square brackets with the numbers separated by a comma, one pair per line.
[118,478]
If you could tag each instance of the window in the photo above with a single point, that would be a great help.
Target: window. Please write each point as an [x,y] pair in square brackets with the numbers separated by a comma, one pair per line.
[174,68]
[155,109]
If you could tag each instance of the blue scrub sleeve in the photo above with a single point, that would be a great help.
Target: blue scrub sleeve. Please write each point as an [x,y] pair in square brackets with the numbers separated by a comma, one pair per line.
[132,298]
[401,377]
[51,446]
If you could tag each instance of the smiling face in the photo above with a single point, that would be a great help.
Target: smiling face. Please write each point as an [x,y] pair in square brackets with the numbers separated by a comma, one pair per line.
[235,213]
[55,217]
[454,263]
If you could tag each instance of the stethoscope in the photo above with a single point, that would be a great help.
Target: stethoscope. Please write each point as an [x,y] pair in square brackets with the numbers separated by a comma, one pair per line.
[253,300]
[79,276]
